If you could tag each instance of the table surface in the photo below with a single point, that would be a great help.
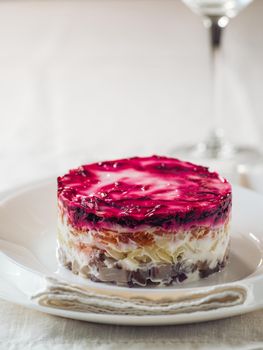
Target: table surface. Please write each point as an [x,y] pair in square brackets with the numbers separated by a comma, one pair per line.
[84,80]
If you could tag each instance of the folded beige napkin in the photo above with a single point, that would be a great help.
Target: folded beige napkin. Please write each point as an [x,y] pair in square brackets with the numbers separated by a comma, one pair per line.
[73,297]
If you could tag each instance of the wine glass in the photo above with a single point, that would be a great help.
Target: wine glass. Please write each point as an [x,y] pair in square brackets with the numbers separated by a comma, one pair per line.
[216,150]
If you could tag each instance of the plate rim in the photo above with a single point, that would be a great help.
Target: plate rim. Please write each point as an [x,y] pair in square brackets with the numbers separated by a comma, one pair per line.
[145,320]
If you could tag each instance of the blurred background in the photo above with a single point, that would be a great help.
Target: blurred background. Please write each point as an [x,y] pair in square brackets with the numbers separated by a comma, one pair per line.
[96,79]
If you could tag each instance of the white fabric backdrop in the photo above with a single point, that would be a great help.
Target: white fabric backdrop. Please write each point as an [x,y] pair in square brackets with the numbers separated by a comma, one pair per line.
[100,79]
[96,79]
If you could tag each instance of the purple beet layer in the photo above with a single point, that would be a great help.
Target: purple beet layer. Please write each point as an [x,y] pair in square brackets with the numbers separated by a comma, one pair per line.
[137,192]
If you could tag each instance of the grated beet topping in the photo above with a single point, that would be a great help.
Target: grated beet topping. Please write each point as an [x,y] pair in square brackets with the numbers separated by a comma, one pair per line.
[155,191]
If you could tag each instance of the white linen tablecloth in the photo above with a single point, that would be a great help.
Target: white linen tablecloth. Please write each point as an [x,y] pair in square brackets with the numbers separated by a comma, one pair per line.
[84,80]
[25,329]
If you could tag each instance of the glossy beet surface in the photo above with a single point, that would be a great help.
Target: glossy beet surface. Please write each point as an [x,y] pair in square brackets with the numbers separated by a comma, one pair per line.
[156,191]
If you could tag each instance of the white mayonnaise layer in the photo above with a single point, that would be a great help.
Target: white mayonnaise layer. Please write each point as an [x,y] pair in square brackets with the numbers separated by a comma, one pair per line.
[191,247]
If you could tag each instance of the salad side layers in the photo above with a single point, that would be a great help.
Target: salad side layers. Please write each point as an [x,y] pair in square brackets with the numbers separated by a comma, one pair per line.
[141,221]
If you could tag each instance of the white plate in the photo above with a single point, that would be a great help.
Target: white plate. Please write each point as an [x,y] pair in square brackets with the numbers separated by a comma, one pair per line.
[28,246]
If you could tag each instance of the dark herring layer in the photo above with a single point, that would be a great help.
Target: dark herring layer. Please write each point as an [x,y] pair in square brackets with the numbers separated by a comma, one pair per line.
[166,274]
[216,215]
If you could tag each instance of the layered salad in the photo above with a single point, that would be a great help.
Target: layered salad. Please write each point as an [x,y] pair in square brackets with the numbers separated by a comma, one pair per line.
[143,221]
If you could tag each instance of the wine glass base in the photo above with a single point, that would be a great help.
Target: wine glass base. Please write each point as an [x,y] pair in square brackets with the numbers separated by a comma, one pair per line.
[229,161]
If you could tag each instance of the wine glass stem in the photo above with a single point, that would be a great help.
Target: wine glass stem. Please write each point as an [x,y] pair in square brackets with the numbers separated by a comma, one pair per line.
[215,32]
[215,49]
[215,144]
[215,42]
